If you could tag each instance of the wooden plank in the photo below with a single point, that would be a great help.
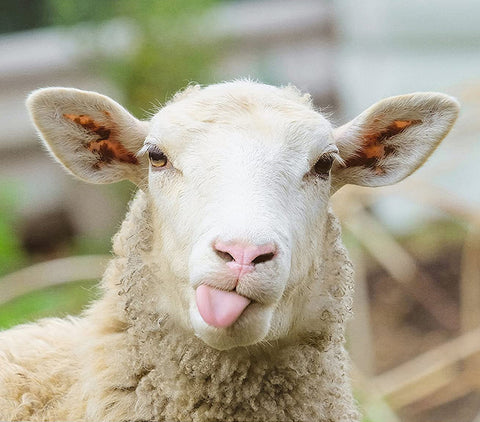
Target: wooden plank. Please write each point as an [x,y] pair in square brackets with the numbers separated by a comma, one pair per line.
[418,369]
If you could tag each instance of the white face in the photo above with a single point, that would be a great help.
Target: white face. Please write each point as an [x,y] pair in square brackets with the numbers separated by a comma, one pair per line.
[238,208]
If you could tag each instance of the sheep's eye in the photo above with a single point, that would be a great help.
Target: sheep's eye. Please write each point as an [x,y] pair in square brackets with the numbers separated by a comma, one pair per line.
[323,165]
[157,159]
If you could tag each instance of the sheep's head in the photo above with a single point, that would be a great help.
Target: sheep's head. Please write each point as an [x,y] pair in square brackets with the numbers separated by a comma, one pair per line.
[239,177]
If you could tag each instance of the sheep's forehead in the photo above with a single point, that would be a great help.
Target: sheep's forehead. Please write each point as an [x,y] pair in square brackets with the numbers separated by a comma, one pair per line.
[240,110]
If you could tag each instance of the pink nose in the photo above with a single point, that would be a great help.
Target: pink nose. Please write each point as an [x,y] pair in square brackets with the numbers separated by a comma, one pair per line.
[245,254]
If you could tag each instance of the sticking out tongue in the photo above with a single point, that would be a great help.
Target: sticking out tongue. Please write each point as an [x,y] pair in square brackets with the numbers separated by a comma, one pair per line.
[218,307]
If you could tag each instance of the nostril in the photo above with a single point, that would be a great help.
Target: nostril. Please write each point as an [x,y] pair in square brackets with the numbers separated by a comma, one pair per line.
[224,255]
[263,258]
[244,253]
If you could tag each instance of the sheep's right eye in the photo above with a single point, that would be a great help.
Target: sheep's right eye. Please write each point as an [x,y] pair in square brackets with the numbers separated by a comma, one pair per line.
[157,159]
[323,165]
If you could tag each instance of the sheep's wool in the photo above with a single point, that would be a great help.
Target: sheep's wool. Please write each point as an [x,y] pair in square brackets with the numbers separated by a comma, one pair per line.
[121,361]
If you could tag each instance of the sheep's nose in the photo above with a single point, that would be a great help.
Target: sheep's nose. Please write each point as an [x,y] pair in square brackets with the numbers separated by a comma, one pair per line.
[245,254]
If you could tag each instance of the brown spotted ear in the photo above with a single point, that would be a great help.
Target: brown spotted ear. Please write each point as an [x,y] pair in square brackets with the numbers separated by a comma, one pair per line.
[94,137]
[393,138]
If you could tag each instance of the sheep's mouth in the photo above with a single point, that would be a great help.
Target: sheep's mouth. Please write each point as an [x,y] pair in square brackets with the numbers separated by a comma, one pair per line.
[220,308]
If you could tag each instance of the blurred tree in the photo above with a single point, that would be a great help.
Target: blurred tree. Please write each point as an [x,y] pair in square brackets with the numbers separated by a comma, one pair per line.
[168,55]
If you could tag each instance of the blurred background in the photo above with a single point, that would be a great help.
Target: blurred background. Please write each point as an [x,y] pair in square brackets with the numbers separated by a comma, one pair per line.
[415,340]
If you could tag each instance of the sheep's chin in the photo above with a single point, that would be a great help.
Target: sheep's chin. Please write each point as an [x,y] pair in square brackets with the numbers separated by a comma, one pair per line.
[252,327]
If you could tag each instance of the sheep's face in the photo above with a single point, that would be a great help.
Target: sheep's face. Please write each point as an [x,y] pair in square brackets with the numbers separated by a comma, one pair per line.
[239,176]
[240,182]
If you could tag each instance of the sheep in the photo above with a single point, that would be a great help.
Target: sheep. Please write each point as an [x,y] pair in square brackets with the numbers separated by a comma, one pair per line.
[229,289]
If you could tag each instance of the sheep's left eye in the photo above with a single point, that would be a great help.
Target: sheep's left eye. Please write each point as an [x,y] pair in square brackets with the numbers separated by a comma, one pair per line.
[157,159]
[323,165]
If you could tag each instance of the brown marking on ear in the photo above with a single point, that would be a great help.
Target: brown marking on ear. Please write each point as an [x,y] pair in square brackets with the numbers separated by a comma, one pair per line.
[106,147]
[89,124]
[396,127]
[374,148]
[109,150]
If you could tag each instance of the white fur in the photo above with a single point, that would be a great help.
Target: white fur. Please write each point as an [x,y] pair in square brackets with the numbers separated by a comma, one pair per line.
[241,156]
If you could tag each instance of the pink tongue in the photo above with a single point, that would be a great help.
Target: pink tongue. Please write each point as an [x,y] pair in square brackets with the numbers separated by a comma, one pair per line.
[218,307]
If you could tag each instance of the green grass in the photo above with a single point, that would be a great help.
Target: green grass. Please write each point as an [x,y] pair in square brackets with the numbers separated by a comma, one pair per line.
[58,301]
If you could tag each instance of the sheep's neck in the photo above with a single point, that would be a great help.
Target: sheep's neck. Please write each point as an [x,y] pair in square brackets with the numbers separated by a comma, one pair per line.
[175,373]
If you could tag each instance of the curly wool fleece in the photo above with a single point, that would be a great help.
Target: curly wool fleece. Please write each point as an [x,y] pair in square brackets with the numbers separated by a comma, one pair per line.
[125,361]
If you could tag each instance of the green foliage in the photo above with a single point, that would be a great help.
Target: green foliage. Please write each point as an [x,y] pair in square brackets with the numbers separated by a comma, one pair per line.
[87,245]
[11,254]
[61,12]
[168,55]
[67,299]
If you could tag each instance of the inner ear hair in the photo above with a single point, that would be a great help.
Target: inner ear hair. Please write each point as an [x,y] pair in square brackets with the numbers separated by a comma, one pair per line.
[374,145]
[106,147]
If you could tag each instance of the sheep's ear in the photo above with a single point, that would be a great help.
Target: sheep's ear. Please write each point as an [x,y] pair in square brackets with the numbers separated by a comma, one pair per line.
[391,139]
[94,137]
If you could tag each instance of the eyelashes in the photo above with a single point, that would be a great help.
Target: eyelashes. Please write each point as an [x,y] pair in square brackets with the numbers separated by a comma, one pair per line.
[324,164]
[156,157]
